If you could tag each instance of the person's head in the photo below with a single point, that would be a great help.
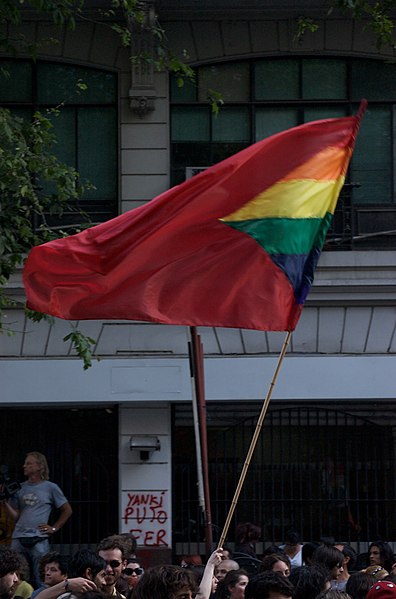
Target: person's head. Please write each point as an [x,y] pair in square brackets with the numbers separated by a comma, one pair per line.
[233,585]
[292,538]
[269,585]
[166,582]
[307,552]
[9,566]
[277,563]
[36,464]
[86,563]
[190,560]
[381,554]
[309,581]
[227,553]
[224,567]
[247,533]
[359,584]
[55,568]
[384,589]
[113,550]
[331,558]
[132,573]
[349,554]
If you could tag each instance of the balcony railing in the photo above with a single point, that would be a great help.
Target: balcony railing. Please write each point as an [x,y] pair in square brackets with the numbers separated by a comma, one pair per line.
[361,226]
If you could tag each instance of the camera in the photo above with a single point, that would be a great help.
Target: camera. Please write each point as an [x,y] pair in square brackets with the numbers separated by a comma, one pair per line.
[8,487]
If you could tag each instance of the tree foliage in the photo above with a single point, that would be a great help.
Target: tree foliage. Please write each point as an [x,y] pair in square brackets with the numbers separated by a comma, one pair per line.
[377,17]
[33,184]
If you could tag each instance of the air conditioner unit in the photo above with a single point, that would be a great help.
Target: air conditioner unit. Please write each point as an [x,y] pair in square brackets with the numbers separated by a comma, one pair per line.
[194,170]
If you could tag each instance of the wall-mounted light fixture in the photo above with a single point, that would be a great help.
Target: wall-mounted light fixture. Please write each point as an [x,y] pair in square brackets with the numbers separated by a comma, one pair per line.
[146,444]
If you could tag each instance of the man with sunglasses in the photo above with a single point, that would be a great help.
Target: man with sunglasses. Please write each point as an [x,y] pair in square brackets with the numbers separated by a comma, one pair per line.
[113,550]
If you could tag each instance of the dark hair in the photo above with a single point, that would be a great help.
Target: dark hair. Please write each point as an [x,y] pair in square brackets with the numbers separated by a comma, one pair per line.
[162,582]
[273,549]
[307,552]
[197,570]
[269,561]
[226,548]
[83,559]
[261,585]
[9,561]
[54,557]
[292,537]
[359,584]
[386,554]
[327,541]
[349,551]
[308,581]
[247,533]
[24,569]
[130,542]
[328,556]
[115,542]
[230,580]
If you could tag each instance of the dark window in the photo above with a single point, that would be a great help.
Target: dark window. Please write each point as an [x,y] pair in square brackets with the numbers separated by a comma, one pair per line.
[86,126]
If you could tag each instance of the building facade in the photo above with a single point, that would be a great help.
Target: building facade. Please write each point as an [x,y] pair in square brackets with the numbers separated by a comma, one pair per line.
[325,459]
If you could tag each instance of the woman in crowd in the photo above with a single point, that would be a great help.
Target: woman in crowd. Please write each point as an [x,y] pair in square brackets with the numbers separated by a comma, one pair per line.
[381,554]
[277,563]
[233,585]
[329,557]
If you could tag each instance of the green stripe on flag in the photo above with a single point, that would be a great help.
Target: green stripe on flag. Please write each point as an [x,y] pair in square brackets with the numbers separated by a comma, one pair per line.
[286,235]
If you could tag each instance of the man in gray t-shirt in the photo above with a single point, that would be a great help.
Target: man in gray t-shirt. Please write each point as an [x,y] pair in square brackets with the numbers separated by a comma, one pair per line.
[31,507]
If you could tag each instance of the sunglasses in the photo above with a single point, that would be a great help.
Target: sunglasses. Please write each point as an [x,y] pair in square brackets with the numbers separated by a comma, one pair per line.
[130,571]
[114,563]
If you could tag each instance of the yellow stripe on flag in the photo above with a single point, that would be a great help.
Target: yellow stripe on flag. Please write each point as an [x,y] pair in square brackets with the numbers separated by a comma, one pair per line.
[292,199]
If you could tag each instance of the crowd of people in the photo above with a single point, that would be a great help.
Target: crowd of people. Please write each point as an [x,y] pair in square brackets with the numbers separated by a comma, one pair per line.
[326,571]
[292,570]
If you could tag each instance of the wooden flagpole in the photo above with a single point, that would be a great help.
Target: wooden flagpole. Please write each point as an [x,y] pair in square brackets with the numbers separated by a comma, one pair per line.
[254,440]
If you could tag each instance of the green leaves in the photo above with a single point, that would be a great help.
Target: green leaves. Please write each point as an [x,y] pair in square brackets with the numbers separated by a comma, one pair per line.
[83,345]
[377,16]
[304,24]
[26,162]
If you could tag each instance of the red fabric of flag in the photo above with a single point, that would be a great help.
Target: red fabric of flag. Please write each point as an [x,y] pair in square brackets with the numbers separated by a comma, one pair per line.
[174,260]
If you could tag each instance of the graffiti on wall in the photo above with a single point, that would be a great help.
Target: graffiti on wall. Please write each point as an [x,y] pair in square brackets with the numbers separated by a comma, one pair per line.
[145,514]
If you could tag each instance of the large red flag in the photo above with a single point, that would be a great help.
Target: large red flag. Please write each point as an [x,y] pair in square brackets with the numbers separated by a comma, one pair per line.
[235,246]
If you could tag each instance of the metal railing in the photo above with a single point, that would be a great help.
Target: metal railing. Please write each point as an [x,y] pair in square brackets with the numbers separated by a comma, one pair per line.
[313,470]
